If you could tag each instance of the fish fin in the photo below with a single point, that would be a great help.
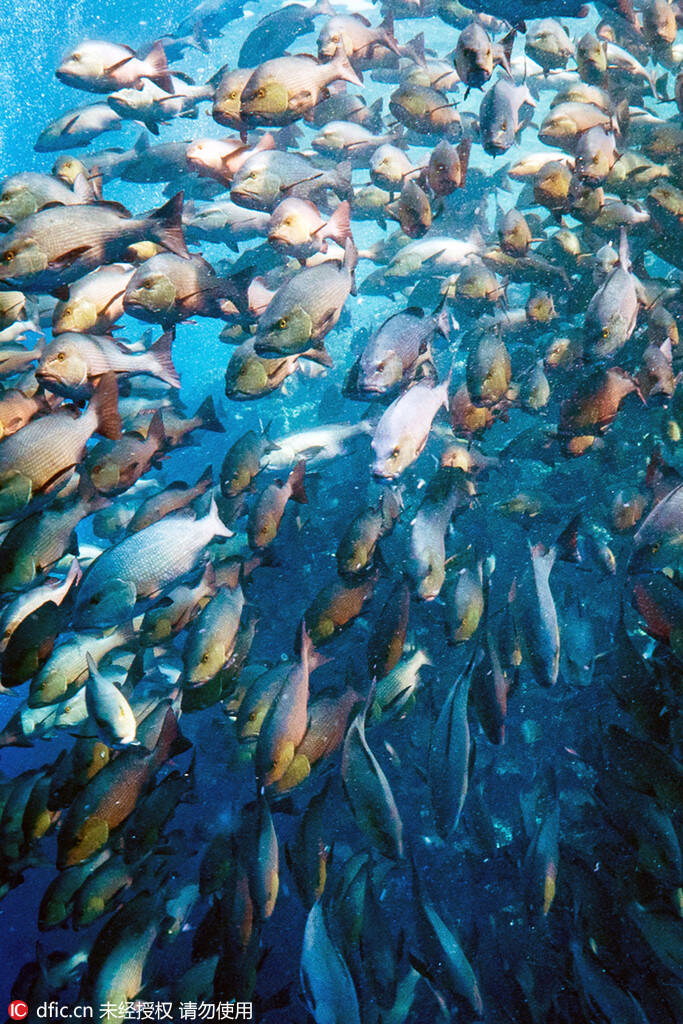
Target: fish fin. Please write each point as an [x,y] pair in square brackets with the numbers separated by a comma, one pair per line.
[61,292]
[156,430]
[507,42]
[464,148]
[351,261]
[161,350]
[296,482]
[83,188]
[67,258]
[105,402]
[166,225]
[318,355]
[415,48]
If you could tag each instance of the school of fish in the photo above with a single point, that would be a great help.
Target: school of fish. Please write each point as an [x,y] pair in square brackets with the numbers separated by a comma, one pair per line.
[341,518]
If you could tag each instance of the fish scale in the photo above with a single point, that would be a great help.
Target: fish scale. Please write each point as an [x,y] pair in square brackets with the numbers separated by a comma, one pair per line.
[46,446]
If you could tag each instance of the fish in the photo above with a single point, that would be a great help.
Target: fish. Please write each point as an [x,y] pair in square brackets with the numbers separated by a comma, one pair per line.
[283,89]
[168,288]
[100,66]
[449,756]
[403,429]
[476,55]
[276,31]
[41,458]
[369,794]
[265,178]
[608,323]
[364,43]
[266,514]
[297,227]
[108,708]
[94,303]
[140,566]
[57,245]
[500,119]
[536,617]
[396,351]
[73,364]
[306,308]
[26,193]
[77,128]
[211,638]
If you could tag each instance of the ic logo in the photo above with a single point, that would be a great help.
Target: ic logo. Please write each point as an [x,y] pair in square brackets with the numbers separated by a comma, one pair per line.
[17,1009]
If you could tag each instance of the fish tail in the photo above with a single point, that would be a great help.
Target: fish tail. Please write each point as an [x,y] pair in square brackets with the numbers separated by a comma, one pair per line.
[338,226]
[105,402]
[166,227]
[342,69]
[214,520]
[386,31]
[161,350]
[207,413]
[159,73]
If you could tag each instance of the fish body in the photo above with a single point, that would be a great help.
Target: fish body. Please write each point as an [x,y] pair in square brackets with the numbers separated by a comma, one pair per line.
[265,178]
[77,128]
[59,244]
[283,89]
[141,565]
[72,364]
[306,307]
[100,66]
[403,429]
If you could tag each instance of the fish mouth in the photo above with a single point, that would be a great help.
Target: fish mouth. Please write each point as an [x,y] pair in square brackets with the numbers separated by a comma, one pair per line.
[67,77]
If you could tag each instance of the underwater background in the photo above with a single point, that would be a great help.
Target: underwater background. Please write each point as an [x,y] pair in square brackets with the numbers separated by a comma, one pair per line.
[504,842]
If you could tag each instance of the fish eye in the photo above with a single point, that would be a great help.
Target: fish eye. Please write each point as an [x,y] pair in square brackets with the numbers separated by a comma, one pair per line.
[380,366]
[605,332]
[282,323]
[233,95]
[261,93]
[205,658]
[252,174]
[8,256]
[396,452]
[503,125]
[655,548]
[61,356]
